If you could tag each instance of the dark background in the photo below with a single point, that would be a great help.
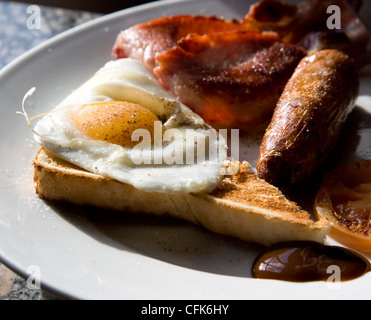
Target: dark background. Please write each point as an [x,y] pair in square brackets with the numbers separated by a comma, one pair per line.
[93,6]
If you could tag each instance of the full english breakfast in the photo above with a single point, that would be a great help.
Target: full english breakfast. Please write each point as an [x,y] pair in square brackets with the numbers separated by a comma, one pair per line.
[274,68]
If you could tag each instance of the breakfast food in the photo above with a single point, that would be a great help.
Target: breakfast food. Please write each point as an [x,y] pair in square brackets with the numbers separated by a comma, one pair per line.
[308,261]
[99,126]
[231,73]
[87,157]
[145,41]
[308,24]
[232,80]
[242,206]
[226,73]
[309,117]
[344,199]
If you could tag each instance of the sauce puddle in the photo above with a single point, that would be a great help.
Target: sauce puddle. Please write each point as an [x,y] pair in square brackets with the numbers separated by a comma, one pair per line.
[309,261]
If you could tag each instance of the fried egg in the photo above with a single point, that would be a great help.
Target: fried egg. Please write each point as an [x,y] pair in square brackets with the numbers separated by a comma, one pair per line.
[122,124]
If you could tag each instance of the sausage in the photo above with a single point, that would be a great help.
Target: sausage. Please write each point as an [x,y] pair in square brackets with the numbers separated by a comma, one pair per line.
[308,118]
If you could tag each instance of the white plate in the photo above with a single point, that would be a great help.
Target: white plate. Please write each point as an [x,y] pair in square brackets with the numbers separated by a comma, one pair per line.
[90,254]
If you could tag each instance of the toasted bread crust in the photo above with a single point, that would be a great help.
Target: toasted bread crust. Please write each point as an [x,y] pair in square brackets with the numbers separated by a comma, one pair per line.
[242,206]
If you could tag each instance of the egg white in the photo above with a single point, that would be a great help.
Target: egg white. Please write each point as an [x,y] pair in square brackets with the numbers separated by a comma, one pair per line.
[128,80]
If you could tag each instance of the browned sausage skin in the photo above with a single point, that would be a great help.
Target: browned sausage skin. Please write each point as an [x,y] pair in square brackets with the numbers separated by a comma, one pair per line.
[308,118]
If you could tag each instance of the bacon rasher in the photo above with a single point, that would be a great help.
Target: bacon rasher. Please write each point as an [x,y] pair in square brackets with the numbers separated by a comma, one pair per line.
[232,72]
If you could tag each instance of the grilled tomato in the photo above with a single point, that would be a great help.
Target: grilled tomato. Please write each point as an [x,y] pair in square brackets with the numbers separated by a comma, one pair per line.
[344,199]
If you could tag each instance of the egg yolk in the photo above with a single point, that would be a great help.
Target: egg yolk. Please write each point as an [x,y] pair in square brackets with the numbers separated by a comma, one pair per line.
[113,121]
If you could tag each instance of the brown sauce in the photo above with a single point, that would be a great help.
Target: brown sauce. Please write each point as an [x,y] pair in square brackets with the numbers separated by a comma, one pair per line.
[309,261]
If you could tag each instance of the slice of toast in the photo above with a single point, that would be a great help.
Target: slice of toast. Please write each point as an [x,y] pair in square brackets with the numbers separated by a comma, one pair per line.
[242,206]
